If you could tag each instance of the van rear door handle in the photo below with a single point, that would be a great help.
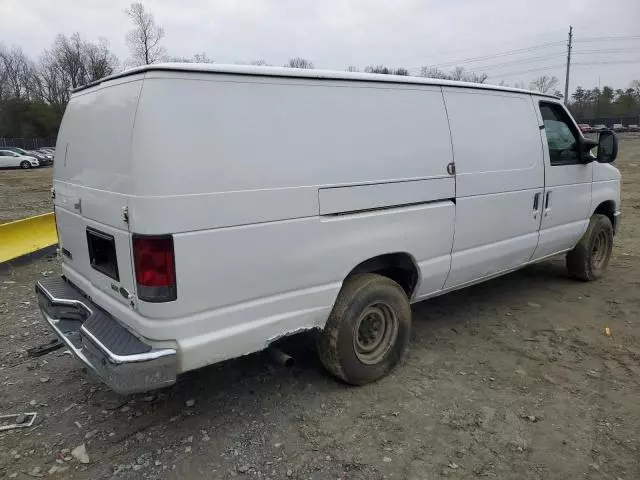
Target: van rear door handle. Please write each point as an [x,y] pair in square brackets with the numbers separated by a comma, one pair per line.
[536,205]
[547,201]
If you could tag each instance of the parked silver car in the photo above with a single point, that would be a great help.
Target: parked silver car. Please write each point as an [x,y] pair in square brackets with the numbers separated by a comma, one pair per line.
[9,158]
[43,158]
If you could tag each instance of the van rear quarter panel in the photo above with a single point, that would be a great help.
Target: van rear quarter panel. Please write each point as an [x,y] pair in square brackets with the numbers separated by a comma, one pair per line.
[233,168]
[275,278]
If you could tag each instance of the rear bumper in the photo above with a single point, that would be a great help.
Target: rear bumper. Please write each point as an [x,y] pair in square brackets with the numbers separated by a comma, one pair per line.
[119,358]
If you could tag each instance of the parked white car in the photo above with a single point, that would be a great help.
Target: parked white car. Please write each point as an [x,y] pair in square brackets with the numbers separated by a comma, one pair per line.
[317,200]
[9,158]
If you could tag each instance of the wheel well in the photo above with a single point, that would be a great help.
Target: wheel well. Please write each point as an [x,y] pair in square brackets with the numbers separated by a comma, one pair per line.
[399,267]
[607,208]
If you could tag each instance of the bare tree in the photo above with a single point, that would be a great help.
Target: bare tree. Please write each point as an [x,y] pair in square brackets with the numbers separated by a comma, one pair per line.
[259,63]
[352,68]
[378,69]
[197,58]
[475,77]
[54,85]
[144,40]
[17,74]
[70,63]
[299,62]
[3,73]
[69,55]
[432,72]
[386,70]
[99,60]
[458,73]
[544,84]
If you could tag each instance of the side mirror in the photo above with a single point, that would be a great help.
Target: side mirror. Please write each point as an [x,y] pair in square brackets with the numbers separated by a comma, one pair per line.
[607,146]
[587,146]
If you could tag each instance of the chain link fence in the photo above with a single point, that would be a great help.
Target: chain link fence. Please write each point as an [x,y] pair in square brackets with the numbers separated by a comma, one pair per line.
[27,143]
[609,121]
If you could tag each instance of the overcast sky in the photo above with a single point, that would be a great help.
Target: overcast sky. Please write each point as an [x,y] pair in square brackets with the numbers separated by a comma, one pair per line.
[336,33]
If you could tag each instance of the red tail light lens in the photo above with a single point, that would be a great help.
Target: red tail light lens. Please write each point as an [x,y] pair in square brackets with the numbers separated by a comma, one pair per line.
[155,269]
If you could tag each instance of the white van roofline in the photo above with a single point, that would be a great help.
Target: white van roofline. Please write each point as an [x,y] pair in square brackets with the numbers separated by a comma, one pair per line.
[305,73]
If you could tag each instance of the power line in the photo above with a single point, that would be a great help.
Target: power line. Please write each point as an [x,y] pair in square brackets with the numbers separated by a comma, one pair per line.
[531,49]
[484,68]
[553,67]
[622,38]
[541,69]
[614,50]
[615,62]
[543,35]
[517,62]
[494,55]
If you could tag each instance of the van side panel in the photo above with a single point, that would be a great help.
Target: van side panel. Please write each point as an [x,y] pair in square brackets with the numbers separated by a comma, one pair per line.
[261,281]
[230,266]
[381,195]
[203,134]
[229,151]
[499,172]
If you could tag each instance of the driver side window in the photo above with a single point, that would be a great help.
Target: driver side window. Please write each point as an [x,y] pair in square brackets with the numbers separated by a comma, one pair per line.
[561,138]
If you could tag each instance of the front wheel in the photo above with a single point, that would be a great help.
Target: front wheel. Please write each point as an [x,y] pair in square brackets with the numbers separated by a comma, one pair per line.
[368,329]
[25,164]
[590,257]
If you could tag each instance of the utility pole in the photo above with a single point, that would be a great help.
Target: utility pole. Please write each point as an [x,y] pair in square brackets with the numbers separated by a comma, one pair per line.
[566,79]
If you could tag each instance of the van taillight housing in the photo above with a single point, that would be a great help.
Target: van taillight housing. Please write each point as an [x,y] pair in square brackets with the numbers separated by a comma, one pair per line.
[155,268]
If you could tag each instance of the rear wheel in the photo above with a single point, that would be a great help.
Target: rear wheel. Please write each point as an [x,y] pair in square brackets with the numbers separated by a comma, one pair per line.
[25,164]
[367,331]
[590,257]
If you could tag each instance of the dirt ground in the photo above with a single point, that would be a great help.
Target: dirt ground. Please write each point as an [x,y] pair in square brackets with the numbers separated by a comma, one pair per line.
[511,379]
[24,193]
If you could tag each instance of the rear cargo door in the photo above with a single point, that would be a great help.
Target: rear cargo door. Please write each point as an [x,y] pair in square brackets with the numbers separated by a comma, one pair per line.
[92,185]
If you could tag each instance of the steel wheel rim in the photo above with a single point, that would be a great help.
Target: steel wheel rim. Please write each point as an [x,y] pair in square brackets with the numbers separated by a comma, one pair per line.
[599,250]
[375,333]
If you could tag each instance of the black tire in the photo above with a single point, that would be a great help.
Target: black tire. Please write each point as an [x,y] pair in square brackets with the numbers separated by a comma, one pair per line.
[590,257]
[366,301]
[24,164]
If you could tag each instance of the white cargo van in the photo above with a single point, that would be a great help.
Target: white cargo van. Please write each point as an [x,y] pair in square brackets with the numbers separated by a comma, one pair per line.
[206,211]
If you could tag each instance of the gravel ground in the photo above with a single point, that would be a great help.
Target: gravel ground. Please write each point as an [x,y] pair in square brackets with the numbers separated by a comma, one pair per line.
[24,193]
[511,379]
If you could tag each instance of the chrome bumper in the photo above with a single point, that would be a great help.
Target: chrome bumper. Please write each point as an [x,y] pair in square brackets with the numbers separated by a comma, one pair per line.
[113,353]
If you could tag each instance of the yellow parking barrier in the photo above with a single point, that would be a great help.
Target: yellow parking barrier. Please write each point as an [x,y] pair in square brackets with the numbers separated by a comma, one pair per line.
[27,236]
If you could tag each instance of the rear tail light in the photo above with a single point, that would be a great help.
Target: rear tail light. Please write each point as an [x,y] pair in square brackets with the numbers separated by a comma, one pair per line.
[155,269]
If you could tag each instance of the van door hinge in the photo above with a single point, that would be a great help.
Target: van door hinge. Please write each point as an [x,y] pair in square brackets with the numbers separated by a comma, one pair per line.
[125,215]
[451,168]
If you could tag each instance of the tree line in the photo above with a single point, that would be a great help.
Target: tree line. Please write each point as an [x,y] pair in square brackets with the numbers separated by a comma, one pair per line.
[34,92]
[606,102]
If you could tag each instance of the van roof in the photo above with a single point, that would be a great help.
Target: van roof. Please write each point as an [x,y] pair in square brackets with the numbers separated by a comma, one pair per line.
[303,73]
